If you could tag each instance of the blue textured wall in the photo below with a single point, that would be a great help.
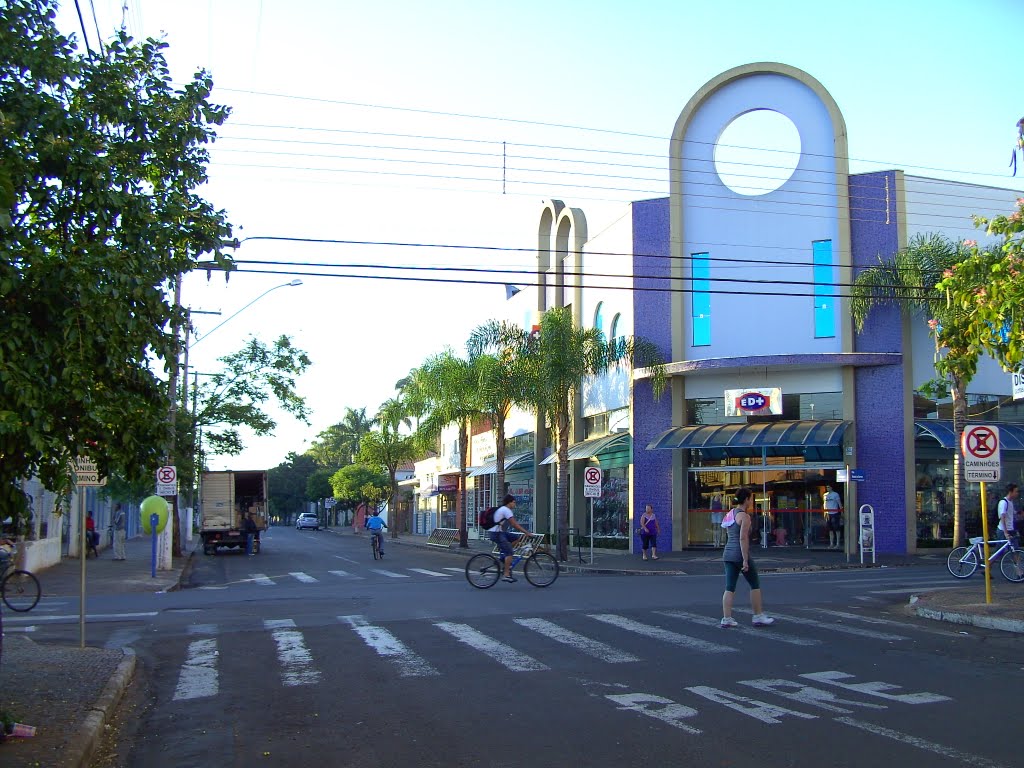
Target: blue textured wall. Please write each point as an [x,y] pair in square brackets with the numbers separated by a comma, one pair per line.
[652,319]
[880,415]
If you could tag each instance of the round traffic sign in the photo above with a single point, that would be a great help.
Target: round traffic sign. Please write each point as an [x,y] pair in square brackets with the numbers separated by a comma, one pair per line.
[981,442]
[166,475]
[592,476]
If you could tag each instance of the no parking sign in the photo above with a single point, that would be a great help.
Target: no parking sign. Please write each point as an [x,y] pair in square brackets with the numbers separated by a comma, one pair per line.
[592,483]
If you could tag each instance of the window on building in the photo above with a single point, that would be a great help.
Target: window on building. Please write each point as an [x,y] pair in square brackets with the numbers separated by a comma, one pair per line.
[599,317]
[824,290]
[616,330]
[700,299]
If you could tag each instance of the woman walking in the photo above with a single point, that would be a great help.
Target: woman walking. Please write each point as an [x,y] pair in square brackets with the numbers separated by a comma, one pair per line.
[736,557]
[649,531]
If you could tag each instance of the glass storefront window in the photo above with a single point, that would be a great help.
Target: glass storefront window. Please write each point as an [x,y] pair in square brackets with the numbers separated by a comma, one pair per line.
[611,512]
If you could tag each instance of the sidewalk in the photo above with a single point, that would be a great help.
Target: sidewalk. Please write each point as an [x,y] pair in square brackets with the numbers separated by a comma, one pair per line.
[68,692]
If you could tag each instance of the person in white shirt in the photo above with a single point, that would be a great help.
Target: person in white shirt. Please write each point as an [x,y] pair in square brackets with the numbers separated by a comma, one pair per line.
[833,516]
[504,517]
[1007,513]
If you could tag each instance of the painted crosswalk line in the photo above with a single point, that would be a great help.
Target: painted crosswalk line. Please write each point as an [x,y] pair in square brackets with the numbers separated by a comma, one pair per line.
[198,676]
[390,574]
[658,633]
[834,627]
[344,574]
[709,622]
[292,652]
[262,579]
[507,657]
[425,572]
[597,649]
[305,578]
[390,647]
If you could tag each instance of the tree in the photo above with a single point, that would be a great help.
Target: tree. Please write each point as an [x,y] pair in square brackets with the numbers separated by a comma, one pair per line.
[553,365]
[500,386]
[287,485]
[388,448]
[447,387]
[910,280]
[100,159]
[338,445]
[357,483]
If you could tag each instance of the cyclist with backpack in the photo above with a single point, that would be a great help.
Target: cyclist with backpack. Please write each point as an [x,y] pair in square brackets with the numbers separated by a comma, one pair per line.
[500,520]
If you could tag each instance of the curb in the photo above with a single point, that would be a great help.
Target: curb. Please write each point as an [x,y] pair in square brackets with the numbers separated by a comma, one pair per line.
[968,619]
[96,718]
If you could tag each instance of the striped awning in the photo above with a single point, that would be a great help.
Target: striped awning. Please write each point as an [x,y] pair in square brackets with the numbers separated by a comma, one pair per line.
[585,449]
[1011,436]
[765,434]
[491,467]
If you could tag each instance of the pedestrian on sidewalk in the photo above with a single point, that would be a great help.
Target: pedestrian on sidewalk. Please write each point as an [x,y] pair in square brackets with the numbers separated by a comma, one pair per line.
[91,537]
[649,531]
[833,516]
[737,560]
[716,520]
[119,533]
[1008,514]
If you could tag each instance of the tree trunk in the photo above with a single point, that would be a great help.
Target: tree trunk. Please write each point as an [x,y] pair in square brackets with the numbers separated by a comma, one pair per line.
[498,492]
[395,522]
[461,514]
[561,494]
[956,389]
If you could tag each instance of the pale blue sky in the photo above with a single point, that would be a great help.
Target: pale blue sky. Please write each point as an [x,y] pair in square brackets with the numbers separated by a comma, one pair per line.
[929,87]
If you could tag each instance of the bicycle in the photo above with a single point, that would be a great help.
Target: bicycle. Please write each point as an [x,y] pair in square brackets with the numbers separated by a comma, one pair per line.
[375,545]
[541,569]
[19,589]
[964,561]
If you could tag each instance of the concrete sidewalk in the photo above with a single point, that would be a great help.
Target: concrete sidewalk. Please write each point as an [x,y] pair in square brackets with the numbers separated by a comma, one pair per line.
[69,693]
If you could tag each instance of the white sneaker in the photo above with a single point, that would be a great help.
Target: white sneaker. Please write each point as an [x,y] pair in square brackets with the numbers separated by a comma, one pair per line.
[762,620]
[727,622]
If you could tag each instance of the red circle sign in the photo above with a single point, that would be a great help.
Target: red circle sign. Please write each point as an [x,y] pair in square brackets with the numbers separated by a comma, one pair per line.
[981,442]
[166,475]
[592,476]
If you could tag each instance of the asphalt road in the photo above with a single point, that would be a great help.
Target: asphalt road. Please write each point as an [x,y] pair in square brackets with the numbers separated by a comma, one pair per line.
[312,653]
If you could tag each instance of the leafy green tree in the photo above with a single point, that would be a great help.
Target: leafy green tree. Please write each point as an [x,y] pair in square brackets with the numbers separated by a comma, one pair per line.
[287,484]
[387,448]
[338,445]
[101,157]
[500,387]
[447,389]
[553,365]
[909,279]
[357,483]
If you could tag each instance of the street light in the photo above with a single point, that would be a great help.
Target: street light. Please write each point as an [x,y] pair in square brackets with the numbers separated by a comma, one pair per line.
[291,283]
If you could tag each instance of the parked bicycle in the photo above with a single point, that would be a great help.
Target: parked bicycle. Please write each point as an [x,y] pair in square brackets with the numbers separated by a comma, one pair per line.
[964,561]
[541,569]
[19,589]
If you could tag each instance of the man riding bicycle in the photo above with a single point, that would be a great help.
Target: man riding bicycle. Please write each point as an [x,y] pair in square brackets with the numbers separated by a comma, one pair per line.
[503,518]
[375,524]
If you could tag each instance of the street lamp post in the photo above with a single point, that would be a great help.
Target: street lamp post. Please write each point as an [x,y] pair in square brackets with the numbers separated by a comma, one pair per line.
[289,284]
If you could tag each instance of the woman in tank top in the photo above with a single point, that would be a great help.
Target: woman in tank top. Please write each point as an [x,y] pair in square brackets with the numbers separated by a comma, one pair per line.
[737,560]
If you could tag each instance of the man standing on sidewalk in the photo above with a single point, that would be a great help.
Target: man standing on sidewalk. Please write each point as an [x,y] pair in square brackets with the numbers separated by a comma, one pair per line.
[833,516]
[1007,515]
[119,533]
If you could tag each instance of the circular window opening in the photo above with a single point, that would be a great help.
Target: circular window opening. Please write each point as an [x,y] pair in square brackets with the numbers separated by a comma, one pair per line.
[757,152]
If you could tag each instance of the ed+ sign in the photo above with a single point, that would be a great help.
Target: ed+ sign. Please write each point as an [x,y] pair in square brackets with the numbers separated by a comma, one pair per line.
[980,448]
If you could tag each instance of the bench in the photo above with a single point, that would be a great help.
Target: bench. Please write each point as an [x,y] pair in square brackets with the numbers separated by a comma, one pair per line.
[443,537]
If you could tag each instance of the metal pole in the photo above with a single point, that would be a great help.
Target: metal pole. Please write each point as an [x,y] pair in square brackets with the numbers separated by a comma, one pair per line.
[591,530]
[984,534]
[81,553]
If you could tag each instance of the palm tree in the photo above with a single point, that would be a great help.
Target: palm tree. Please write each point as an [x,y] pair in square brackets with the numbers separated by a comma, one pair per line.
[354,424]
[447,387]
[553,366]
[387,447]
[500,386]
[908,279]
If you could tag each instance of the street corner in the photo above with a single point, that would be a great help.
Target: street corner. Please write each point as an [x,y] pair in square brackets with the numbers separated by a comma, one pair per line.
[968,608]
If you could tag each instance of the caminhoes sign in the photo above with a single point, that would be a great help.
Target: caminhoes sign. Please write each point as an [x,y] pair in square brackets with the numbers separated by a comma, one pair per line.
[753,402]
[980,448]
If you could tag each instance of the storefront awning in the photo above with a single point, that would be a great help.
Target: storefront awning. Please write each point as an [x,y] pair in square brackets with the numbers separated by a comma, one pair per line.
[491,467]
[1011,436]
[588,448]
[766,434]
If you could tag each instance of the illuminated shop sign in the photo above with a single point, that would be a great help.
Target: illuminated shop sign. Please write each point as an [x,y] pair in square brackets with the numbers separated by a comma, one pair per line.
[753,402]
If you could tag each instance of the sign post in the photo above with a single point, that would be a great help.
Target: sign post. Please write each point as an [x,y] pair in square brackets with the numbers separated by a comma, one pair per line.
[592,490]
[86,476]
[980,449]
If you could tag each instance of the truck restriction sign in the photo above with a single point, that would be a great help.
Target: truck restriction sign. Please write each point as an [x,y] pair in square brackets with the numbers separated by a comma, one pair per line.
[167,481]
[592,483]
[980,447]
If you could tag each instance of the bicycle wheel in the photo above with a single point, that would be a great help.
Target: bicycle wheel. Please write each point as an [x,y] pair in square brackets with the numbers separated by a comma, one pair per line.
[1012,565]
[482,571]
[20,591]
[375,544]
[962,562]
[541,569]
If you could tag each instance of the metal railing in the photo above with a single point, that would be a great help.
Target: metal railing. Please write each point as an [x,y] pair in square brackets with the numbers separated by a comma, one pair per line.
[443,537]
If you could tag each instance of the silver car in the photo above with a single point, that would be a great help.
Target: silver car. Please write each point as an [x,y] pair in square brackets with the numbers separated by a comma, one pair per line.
[307,520]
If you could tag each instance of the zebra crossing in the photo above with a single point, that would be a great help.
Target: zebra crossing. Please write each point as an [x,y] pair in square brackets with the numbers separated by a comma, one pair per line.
[265,580]
[522,644]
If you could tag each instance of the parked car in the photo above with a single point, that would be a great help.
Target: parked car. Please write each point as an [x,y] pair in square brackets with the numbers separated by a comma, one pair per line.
[307,520]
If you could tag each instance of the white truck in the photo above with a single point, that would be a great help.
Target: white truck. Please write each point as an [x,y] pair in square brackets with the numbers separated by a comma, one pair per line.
[225,497]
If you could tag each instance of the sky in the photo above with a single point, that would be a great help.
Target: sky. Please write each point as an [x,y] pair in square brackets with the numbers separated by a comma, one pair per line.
[428,135]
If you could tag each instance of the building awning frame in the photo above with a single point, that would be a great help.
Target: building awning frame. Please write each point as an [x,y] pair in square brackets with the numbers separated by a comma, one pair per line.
[774,438]
[586,449]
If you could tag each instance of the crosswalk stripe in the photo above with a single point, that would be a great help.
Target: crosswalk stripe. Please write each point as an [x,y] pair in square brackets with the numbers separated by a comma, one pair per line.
[387,645]
[874,620]
[292,653]
[660,634]
[262,579]
[843,628]
[761,634]
[198,676]
[457,570]
[425,572]
[390,574]
[495,649]
[344,574]
[601,651]
[305,578]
